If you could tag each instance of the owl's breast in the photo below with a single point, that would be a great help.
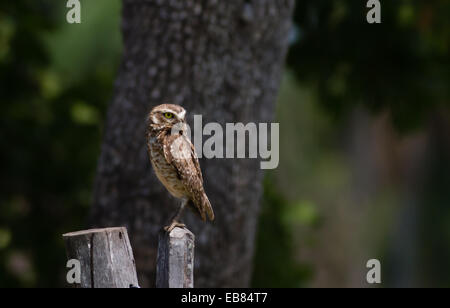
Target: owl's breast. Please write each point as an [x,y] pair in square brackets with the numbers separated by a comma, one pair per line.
[166,172]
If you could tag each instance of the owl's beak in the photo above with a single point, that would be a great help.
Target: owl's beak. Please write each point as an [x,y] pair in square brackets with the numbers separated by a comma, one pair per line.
[184,126]
[180,128]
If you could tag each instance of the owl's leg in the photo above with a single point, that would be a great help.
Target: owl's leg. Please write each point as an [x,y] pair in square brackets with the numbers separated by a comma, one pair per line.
[175,220]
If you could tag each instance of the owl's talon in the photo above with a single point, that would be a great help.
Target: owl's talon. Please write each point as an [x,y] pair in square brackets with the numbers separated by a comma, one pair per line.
[173,225]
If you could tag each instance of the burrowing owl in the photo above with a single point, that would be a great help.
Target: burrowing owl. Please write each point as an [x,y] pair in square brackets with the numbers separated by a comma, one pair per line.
[175,161]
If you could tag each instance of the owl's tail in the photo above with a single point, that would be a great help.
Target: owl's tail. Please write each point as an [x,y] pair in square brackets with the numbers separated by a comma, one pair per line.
[207,206]
[202,207]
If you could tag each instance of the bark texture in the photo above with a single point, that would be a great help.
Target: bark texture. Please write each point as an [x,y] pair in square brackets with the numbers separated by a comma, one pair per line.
[221,59]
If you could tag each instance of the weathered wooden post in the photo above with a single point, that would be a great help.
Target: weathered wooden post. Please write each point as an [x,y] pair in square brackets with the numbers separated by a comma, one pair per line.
[105,256]
[175,261]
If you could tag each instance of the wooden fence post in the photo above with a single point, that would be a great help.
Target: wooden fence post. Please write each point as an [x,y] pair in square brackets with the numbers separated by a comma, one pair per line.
[105,256]
[175,261]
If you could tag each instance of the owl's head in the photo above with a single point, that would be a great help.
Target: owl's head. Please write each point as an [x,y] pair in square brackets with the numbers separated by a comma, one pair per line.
[166,116]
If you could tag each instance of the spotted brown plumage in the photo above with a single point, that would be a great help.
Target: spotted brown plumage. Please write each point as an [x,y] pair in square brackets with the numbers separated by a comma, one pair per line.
[175,161]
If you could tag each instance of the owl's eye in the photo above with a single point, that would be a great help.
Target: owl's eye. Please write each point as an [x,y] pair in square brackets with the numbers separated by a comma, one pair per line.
[168,115]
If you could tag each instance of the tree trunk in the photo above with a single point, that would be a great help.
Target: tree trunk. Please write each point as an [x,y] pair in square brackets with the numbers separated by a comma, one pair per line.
[221,59]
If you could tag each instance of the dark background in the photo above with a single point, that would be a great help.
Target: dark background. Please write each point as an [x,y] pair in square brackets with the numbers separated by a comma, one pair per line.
[365,142]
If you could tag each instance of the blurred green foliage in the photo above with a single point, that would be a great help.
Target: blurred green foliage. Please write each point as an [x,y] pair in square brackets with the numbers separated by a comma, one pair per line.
[55,82]
[275,264]
[401,64]
[340,63]
[312,171]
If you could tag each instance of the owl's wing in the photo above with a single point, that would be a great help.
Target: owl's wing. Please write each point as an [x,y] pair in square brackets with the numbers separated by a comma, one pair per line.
[195,161]
[180,153]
